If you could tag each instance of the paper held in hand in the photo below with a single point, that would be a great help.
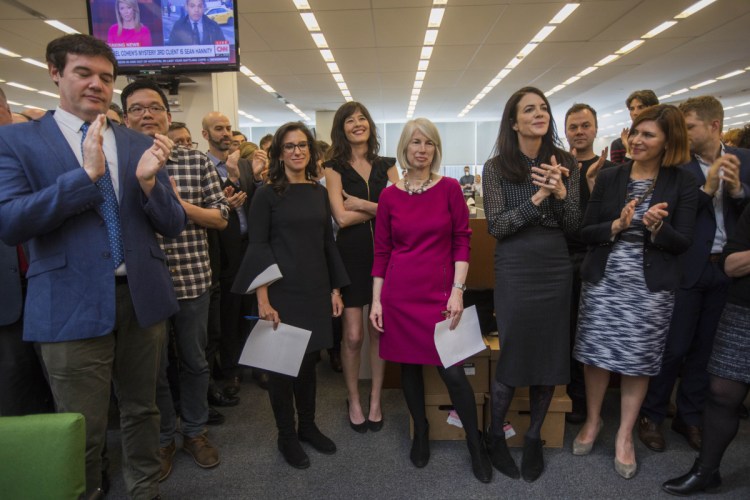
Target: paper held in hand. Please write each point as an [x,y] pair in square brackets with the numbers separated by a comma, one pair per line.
[278,351]
[465,341]
[271,274]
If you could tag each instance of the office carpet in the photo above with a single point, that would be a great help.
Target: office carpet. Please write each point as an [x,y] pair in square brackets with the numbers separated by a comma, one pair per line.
[377,466]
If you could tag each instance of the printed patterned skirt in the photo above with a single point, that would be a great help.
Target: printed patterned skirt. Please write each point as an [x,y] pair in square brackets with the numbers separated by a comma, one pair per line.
[622,325]
[731,355]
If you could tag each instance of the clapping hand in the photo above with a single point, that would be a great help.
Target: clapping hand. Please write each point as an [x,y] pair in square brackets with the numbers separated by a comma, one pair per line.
[235,199]
[594,169]
[548,178]
[653,218]
[93,154]
[626,217]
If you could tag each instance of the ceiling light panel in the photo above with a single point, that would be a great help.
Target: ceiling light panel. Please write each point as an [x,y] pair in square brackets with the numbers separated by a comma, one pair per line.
[430,37]
[543,33]
[308,17]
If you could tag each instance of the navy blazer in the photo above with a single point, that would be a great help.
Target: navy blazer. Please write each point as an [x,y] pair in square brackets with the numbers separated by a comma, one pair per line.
[694,260]
[660,263]
[47,199]
[231,240]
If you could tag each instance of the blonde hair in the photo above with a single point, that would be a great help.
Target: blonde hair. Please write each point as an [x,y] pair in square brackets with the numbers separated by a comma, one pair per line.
[430,131]
[136,11]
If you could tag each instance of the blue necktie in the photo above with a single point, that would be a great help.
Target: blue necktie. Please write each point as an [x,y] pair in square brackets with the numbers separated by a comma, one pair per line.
[196,35]
[109,208]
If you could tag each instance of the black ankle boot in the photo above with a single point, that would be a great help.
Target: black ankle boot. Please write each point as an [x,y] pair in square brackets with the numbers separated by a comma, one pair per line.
[532,463]
[480,460]
[500,456]
[309,433]
[293,453]
[420,447]
[699,479]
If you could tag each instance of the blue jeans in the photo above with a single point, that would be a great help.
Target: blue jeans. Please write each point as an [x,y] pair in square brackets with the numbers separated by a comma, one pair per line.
[190,326]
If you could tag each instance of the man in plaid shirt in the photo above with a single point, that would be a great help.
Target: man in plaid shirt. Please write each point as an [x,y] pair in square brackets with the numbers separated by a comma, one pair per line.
[200,192]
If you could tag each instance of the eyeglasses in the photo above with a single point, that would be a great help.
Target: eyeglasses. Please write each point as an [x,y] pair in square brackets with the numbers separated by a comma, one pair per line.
[139,110]
[289,147]
[186,144]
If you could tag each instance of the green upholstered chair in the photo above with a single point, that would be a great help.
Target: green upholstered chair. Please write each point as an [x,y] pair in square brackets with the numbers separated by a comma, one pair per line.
[43,456]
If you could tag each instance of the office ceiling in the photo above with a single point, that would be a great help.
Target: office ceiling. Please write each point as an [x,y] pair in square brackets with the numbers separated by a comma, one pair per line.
[377,46]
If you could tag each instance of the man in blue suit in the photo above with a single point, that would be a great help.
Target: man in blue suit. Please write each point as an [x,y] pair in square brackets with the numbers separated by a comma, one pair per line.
[88,198]
[724,176]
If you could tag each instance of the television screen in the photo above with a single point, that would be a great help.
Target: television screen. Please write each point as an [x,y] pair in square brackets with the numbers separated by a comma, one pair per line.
[168,36]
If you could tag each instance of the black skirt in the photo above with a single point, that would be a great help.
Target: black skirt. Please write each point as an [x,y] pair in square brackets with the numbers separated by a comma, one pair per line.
[533,279]
[730,357]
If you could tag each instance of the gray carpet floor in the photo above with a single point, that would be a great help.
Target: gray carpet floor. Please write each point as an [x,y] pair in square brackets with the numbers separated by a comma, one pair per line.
[376,465]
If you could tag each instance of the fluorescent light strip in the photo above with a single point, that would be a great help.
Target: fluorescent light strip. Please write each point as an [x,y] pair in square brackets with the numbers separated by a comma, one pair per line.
[311,22]
[48,94]
[62,27]
[262,84]
[631,46]
[21,86]
[34,62]
[693,9]
[430,37]
[6,52]
[543,33]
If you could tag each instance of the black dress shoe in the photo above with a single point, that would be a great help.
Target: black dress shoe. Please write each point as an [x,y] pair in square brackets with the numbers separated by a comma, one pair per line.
[261,378]
[334,358]
[532,462]
[233,387]
[500,456]
[698,480]
[218,398]
[480,460]
[311,434]
[690,432]
[293,453]
[420,447]
[650,434]
[361,428]
[214,417]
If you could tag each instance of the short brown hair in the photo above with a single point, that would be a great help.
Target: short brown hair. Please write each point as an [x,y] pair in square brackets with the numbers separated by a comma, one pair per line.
[647,98]
[81,45]
[672,122]
[706,107]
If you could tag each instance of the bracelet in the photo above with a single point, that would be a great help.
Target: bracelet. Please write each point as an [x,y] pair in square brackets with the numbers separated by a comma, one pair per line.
[336,293]
[460,286]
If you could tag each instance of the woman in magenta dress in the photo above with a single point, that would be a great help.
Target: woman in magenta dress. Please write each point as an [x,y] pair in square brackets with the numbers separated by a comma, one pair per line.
[419,271]
[128,32]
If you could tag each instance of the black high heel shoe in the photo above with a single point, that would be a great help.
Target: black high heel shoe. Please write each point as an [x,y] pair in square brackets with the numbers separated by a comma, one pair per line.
[373,425]
[361,428]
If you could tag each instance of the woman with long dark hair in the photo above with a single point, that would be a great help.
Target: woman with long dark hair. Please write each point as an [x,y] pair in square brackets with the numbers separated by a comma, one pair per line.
[291,228]
[531,199]
[640,217]
[355,177]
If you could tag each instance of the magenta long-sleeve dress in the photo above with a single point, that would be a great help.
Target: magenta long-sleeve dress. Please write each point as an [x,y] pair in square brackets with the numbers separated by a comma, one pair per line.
[418,239]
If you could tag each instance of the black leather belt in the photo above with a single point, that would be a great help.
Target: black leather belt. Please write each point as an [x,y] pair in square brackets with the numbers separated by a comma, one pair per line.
[714,257]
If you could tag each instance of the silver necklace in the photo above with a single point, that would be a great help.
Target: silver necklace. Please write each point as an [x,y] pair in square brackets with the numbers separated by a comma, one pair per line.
[421,189]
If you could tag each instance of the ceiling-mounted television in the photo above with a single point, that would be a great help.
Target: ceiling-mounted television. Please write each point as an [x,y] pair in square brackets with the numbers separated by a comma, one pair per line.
[168,36]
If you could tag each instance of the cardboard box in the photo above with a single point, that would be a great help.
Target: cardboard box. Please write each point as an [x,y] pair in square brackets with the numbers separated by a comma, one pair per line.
[438,408]
[481,275]
[493,343]
[477,369]
[518,416]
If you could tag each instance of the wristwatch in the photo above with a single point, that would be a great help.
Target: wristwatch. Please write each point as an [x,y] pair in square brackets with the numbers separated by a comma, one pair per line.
[460,286]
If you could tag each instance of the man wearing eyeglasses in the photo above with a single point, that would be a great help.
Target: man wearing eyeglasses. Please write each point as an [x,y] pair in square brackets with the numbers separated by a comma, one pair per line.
[240,179]
[180,135]
[199,190]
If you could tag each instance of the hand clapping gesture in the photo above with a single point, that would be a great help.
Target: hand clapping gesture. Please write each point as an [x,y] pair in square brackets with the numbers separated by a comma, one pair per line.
[93,154]
[152,161]
[654,217]
[626,217]
[548,178]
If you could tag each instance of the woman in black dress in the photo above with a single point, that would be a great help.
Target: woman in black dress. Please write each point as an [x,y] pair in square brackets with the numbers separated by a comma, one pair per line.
[291,228]
[729,368]
[530,201]
[355,176]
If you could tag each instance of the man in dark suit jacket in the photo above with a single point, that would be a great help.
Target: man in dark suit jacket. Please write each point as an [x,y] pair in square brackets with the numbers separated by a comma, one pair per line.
[195,28]
[723,174]
[98,286]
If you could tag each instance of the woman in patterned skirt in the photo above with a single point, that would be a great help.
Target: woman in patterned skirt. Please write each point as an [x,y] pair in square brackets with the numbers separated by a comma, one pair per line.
[639,219]
[729,368]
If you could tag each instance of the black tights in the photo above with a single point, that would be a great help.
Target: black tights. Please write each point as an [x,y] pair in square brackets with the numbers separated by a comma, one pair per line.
[540,399]
[459,389]
[721,418]
[284,391]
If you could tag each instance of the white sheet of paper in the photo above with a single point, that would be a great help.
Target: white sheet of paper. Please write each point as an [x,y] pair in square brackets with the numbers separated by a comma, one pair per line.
[463,342]
[278,351]
[271,274]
